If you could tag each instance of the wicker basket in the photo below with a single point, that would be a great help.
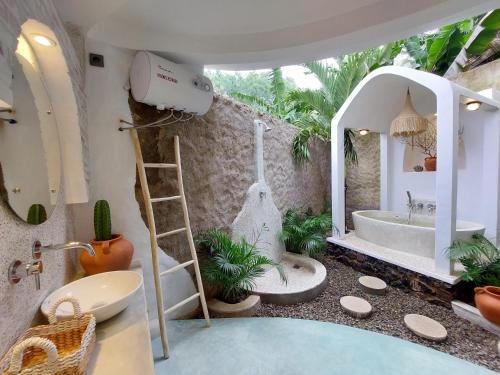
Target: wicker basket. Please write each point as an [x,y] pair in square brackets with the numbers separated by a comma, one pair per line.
[61,348]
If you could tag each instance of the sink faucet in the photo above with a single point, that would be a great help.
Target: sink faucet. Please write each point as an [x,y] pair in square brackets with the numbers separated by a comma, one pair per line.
[19,270]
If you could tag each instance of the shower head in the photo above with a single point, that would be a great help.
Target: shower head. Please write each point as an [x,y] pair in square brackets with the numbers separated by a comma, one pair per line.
[267,127]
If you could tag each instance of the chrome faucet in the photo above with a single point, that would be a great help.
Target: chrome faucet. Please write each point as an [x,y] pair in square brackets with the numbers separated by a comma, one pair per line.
[19,270]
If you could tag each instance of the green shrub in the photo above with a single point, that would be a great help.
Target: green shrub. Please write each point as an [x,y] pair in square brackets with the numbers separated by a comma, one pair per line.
[233,266]
[304,233]
[480,258]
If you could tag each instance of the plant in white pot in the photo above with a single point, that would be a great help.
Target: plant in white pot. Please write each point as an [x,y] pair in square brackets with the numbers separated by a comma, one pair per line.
[231,268]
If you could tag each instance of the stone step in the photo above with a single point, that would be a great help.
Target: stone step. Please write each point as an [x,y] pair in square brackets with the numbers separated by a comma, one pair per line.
[372,285]
[356,307]
[425,327]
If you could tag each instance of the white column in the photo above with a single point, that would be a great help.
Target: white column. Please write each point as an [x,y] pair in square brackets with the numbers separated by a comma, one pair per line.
[491,174]
[338,179]
[446,176]
[384,183]
[259,149]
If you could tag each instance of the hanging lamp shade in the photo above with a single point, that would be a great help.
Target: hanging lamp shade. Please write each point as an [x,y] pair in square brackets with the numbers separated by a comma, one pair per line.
[408,123]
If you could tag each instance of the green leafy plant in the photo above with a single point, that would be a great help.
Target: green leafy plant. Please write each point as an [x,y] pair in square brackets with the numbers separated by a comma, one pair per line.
[480,258]
[304,233]
[233,266]
[36,214]
[102,221]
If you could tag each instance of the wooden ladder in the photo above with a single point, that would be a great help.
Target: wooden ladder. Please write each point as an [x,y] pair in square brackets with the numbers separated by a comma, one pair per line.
[154,236]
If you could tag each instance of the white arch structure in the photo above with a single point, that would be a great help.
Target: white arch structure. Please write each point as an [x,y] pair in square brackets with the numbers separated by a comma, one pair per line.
[376,101]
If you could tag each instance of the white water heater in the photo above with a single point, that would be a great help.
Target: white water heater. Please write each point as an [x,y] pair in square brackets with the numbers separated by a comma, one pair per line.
[166,85]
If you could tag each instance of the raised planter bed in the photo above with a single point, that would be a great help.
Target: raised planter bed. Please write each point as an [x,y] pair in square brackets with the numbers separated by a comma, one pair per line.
[247,307]
[472,314]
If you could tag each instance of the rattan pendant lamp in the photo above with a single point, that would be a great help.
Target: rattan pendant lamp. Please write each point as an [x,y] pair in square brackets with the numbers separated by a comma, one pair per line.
[408,123]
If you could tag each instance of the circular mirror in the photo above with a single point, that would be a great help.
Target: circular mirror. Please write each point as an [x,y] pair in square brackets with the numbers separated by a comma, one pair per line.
[30,163]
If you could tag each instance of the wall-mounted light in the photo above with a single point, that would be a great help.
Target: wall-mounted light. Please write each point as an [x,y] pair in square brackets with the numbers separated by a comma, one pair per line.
[363,131]
[473,105]
[43,40]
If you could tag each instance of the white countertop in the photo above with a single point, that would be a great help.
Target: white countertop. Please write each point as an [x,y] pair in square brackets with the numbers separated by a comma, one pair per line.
[123,344]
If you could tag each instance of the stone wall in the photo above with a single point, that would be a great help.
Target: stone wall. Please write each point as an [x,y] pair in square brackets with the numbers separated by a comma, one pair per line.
[20,303]
[483,77]
[363,180]
[218,167]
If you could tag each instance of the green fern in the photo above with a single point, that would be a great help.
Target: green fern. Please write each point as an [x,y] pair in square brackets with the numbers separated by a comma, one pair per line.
[233,266]
[480,258]
[304,233]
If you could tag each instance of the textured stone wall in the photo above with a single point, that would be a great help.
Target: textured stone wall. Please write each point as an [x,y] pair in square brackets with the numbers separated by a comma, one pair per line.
[363,180]
[218,167]
[20,303]
[483,77]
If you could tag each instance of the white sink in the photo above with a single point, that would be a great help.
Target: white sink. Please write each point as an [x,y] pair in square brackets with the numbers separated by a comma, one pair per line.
[104,295]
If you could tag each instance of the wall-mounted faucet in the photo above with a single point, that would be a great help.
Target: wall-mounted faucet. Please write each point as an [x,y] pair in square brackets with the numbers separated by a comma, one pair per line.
[19,270]
[409,205]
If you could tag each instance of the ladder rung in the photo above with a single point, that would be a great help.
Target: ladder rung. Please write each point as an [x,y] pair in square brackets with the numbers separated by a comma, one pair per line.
[159,165]
[182,303]
[154,200]
[177,267]
[175,231]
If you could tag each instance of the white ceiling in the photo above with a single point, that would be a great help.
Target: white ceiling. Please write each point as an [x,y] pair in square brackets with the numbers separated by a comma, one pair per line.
[249,34]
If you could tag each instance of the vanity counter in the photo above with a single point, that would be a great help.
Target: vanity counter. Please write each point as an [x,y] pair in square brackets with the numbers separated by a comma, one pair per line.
[123,343]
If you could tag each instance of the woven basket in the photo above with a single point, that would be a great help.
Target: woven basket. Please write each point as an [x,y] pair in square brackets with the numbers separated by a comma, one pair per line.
[61,348]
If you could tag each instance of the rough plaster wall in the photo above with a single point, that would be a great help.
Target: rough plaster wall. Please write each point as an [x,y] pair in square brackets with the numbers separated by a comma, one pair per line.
[20,303]
[218,168]
[363,180]
[481,78]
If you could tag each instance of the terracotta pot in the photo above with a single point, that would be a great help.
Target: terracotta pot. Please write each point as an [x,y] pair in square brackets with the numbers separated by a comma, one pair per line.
[247,307]
[488,302]
[430,163]
[113,255]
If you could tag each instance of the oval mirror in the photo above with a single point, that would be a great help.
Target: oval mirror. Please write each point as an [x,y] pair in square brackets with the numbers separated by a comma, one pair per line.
[30,163]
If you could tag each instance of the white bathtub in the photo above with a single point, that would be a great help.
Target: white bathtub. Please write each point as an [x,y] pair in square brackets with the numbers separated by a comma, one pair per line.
[390,229]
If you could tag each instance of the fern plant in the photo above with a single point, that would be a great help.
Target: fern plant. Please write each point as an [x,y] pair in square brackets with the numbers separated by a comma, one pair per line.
[303,233]
[480,258]
[233,266]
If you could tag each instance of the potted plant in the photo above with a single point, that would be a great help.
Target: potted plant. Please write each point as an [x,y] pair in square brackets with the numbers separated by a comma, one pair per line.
[231,268]
[481,260]
[426,142]
[305,233]
[113,251]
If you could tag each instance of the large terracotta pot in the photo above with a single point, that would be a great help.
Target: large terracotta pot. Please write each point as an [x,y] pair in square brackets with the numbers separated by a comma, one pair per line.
[430,163]
[113,255]
[488,302]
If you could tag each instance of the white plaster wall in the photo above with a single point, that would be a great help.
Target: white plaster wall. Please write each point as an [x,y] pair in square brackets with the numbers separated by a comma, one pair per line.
[422,185]
[113,172]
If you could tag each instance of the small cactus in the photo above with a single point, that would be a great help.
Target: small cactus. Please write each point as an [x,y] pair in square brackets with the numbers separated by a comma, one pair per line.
[102,221]
[36,214]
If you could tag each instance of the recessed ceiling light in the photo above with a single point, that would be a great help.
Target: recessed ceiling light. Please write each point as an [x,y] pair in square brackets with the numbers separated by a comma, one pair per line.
[363,131]
[43,40]
[473,105]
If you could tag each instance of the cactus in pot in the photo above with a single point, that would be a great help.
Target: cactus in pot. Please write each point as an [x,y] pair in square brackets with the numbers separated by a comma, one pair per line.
[36,214]
[113,251]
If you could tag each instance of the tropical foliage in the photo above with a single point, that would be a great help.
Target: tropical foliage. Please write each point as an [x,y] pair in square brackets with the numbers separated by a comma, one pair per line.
[480,258]
[485,45]
[233,266]
[304,233]
[276,105]
[318,107]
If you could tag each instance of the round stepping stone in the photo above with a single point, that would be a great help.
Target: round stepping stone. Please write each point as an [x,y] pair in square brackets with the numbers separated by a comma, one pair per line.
[372,285]
[355,306]
[425,327]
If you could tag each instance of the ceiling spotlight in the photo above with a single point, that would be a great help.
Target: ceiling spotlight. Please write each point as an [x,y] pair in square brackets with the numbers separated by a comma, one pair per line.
[473,105]
[363,131]
[43,40]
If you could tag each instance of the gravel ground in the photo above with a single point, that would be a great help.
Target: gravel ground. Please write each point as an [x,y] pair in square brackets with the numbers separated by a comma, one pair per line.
[465,340]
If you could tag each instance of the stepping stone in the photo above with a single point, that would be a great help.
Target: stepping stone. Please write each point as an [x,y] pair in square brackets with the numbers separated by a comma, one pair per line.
[426,327]
[372,285]
[356,307]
